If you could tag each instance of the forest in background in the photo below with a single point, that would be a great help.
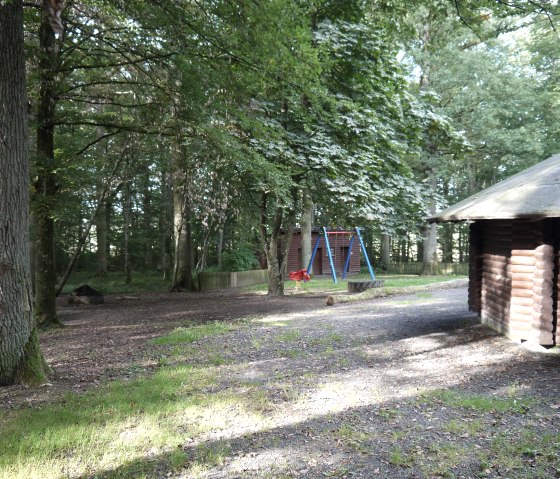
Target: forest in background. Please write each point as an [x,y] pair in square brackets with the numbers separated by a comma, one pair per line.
[186,136]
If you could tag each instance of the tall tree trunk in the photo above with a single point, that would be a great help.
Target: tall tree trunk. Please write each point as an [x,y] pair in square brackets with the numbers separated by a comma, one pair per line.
[306,230]
[166,223]
[127,207]
[430,258]
[385,251]
[20,355]
[220,247]
[447,242]
[147,217]
[101,234]
[275,244]
[46,184]
[182,268]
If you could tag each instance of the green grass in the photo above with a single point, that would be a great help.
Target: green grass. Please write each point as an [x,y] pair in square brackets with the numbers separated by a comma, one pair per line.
[123,429]
[318,285]
[288,336]
[113,283]
[480,402]
[391,281]
[190,334]
[398,457]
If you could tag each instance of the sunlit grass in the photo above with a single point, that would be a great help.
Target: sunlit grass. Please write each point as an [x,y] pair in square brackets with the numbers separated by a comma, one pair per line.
[480,402]
[124,429]
[190,334]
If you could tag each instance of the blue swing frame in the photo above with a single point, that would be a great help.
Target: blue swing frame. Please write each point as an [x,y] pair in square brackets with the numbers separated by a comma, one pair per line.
[355,234]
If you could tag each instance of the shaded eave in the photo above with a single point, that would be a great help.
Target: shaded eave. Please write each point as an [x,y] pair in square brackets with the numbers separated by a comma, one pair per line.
[532,194]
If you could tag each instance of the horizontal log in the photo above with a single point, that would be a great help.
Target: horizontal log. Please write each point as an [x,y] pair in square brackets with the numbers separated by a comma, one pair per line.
[544,323]
[499,272]
[496,295]
[499,258]
[523,252]
[543,309]
[545,249]
[517,283]
[521,310]
[496,310]
[547,274]
[522,268]
[493,263]
[543,288]
[545,301]
[544,256]
[521,301]
[544,265]
[523,293]
[525,319]
[522,278]
[496,302]
[523,260]
[499,278]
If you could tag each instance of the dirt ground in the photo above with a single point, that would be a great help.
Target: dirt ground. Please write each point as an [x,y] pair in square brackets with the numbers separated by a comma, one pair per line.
[380,388]
[111,341]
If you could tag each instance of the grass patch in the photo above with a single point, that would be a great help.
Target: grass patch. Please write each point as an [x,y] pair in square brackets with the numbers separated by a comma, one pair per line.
[461,427]
[516,453]
[353,438]
[288,336]
[479,402]
[398,457]
[124,429]
[317,285]
[190,334]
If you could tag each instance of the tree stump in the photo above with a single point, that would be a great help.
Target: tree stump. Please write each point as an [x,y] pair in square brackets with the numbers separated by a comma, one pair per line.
[358,286]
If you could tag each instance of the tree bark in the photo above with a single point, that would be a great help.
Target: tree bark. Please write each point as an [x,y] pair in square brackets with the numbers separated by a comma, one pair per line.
[182,268]
[127,207]
[101,233]
[385,251]
[430,258]
[20,356]
[220,247]
[276,244]
[46,184]
[306,230]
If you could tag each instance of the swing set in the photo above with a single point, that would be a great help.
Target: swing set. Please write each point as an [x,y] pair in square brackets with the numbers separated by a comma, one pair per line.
[324,235]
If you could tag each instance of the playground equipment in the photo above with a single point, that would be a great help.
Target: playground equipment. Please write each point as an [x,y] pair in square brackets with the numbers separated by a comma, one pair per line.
[324,234]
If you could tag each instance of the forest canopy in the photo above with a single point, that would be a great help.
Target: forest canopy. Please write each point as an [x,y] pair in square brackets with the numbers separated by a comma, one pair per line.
[185,136]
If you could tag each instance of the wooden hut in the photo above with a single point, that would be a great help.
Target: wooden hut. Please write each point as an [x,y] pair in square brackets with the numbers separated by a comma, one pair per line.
[339,244]
[514,253]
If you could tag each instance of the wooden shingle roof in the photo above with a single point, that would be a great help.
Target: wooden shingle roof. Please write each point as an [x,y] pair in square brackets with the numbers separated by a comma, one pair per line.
[533,193]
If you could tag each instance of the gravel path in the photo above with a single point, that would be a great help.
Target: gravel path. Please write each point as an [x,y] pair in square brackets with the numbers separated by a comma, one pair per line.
[402,387]
[383,388]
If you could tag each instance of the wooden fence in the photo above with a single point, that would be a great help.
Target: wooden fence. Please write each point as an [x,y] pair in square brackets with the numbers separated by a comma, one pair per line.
[416,268]
[219,280]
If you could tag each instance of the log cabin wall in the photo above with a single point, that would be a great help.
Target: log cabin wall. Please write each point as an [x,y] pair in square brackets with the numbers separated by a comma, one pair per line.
[495,273]
[516,264]
[475,266]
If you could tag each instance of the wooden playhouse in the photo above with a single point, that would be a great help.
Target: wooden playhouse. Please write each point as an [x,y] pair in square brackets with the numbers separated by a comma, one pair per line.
[339,244]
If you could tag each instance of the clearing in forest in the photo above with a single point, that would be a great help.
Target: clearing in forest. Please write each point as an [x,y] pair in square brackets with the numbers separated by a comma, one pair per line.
[406,386]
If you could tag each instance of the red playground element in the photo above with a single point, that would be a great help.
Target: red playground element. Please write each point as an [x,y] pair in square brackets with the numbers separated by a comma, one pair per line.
[300,275]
